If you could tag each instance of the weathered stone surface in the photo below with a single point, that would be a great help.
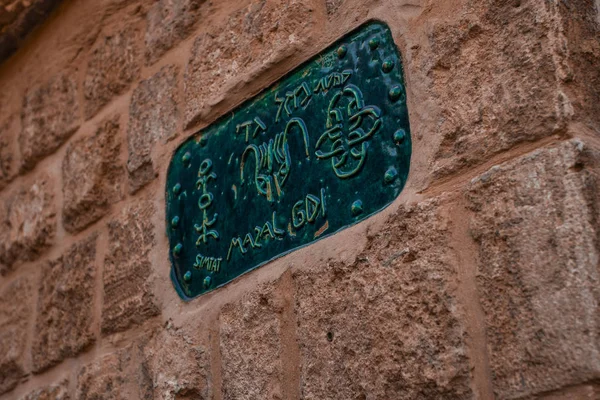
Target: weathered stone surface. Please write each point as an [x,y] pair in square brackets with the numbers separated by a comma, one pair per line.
[251,347]
[65,306]
[8,136]
[50,115]
[332,6]
[116,376]
[178,364]
[101,379]
[59,391]
[128,298]
[494,91]
[255,37]
[583,392]
[6,156]
[153,115]
[14,314]
[92,176]
[114,63]
[388,326]
[168,22]
[581,76]
[536,225]
[28,223]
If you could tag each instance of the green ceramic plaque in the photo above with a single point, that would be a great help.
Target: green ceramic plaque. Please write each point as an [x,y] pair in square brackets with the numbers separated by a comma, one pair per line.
[320,150]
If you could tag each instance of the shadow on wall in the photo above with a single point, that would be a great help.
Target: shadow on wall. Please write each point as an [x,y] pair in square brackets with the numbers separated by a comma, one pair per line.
[18,19]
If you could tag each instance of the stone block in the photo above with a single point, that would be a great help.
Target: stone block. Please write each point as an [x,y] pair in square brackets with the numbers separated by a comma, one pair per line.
[115,376]
[28,224]
[101,380]
[177,362]
[253,38]
[168,22]
[331,6]
[128,297]
[64,318]
[582,392]
[114,63]
[50,115]
[250,342]
[92,175]
[153,114]
[14,315]
[59,391]
[580,78]
[8,160]
[494,71]
[535,222]
[387,326]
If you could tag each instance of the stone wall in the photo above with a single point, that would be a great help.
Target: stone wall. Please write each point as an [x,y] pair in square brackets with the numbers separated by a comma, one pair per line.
[480,281]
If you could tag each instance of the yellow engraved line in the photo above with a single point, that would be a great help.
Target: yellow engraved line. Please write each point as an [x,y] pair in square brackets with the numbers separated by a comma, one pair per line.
[277,186]
[290,229]
[322,229]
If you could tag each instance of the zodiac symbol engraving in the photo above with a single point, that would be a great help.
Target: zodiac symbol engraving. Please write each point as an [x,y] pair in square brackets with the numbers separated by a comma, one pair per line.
[347,113]
[328,60]
[272,160]
[204,202]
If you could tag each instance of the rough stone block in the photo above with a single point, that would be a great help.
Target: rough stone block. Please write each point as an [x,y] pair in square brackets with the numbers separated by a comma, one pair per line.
[14,313]
[168,22]
[332,6]
[92,176]
[128,297]
[65,306]
[7,149]
[101,380]
[28,223]
[113,64]
[50,115]
[153,115]
[494,91]
[582,392]
[115,376]
[535,221]
[251,348]
[389,325]
[580,35]
[59,391]
[257,36]
[178,365]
